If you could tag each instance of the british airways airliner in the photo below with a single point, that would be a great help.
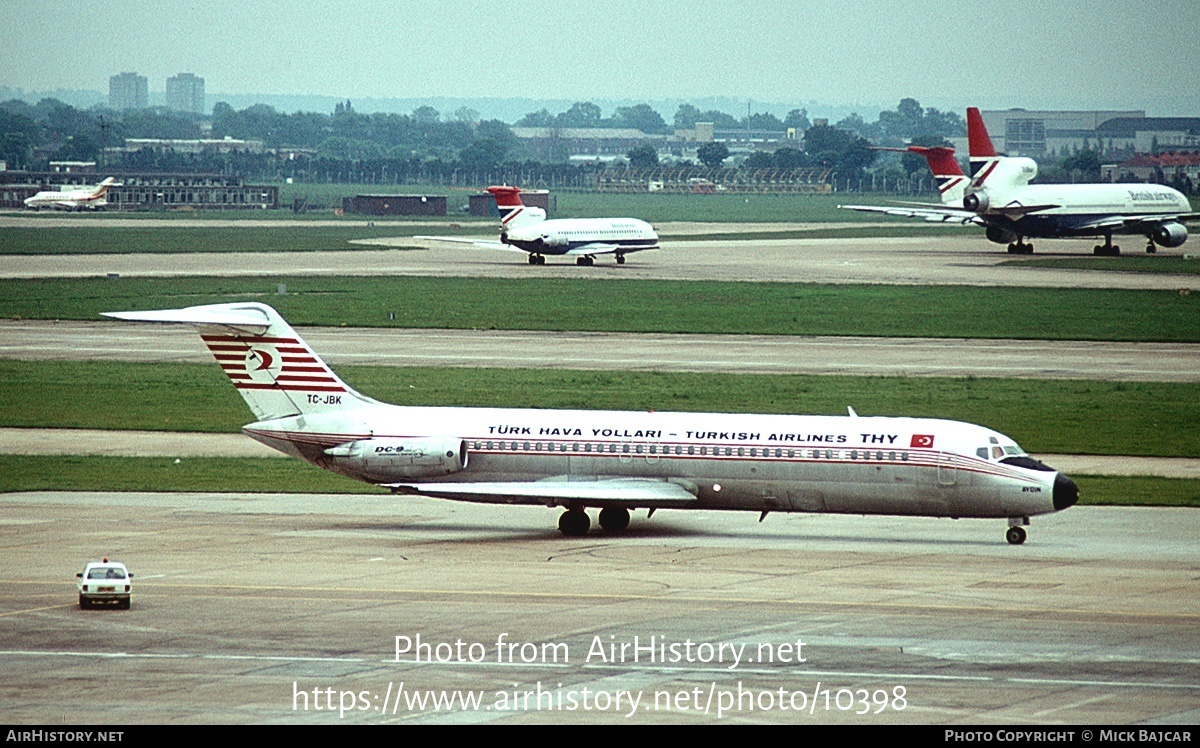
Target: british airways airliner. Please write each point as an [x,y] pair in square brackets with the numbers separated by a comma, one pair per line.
[617,461]
[525,228]
[1000,198]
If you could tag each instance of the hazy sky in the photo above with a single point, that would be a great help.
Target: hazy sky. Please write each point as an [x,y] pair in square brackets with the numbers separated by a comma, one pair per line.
[1092,54]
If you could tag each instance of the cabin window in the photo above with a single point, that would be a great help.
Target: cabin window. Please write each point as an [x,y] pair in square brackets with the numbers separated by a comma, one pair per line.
[892,456]
[526,447]
[854,454]
[904,456]
[691,450]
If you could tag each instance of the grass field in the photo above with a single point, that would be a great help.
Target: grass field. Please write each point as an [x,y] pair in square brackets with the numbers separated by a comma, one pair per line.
[642,306]
[1059,416]
[258,475]
[97,239]
[1188,264]
[656,207]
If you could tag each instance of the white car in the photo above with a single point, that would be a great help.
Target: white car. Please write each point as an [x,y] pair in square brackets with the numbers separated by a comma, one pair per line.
[104,582]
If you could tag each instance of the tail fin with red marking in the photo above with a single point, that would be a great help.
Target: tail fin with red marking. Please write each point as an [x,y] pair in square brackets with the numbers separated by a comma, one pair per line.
[273,369]
[513,212]
[951,181]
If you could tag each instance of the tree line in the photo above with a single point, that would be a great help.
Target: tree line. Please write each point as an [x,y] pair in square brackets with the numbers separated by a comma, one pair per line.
[31,135]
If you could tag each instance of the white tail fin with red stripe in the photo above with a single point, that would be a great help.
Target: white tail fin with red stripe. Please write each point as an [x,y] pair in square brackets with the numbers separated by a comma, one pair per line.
[274,370]
[513,212]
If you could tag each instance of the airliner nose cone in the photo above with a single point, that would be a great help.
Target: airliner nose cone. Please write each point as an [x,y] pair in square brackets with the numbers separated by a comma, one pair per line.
[1066,493]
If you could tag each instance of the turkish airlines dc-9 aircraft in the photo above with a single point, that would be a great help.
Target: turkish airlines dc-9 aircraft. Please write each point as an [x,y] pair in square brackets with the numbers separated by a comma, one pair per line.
[617,461]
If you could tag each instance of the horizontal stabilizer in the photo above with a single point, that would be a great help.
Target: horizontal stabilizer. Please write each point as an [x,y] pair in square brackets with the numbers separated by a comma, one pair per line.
[617,491]
[242,319]
[481,243]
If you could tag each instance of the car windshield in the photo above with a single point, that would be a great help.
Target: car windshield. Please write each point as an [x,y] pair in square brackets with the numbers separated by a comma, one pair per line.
[106,572]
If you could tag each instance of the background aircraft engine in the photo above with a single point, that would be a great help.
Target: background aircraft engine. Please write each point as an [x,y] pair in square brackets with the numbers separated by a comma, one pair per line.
[403,458]
[977,202]
[1170,235]
[999,235]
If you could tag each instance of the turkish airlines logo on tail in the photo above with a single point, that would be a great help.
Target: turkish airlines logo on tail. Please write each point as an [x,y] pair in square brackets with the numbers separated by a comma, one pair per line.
[921,441]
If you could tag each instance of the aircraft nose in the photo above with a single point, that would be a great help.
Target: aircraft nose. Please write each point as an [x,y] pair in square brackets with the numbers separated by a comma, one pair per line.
[1066,493]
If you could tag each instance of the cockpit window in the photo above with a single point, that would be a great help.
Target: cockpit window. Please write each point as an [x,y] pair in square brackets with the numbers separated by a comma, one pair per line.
[982,453]
[997,452]
[1027,462]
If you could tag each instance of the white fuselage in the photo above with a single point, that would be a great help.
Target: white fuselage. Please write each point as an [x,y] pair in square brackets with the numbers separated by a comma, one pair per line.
[1007,202]
[562,235]
[69,199]
[860,465]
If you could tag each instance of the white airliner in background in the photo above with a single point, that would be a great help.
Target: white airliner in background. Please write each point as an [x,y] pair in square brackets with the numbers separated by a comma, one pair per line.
[617,461]
[525,228]
[1000,198]
[88,198]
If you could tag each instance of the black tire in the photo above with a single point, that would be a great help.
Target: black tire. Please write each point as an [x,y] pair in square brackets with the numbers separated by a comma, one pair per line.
[83,603]
[614,518]
[1015,535]
[574,523]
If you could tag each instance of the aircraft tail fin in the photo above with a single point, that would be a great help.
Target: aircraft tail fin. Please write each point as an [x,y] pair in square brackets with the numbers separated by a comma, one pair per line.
[980,143]
[513,212]
[274,370]
[951,181]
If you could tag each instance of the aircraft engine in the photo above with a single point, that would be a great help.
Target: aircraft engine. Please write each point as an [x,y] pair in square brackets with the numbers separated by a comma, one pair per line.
[977,202]
[999,235]
[1169,235]
[403,458]
[553,240]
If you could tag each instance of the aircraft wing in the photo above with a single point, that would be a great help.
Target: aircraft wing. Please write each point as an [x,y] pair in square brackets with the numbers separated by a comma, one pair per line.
[601,248]
[1015,210]
[483,244]
[1116,222]
[930,213]
[614,490]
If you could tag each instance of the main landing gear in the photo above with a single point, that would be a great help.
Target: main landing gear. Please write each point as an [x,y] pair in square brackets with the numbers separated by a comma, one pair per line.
[537,260]
[585,260]
[1107,249]
[1020,248]
[575,523]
